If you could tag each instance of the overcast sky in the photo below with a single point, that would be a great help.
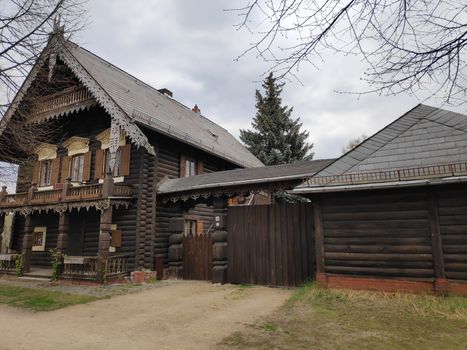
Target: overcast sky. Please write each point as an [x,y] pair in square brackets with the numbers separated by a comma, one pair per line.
[190,48]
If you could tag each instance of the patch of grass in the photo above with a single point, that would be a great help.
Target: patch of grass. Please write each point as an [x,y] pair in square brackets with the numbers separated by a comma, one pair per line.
[40,299]
[270,327]
[315,318]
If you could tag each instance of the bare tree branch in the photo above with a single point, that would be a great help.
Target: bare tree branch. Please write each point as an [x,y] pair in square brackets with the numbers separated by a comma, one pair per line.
[413,46]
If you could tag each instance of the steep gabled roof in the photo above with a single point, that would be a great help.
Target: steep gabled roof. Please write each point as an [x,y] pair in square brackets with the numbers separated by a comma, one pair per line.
[152,109]
[130,102]
[424,137]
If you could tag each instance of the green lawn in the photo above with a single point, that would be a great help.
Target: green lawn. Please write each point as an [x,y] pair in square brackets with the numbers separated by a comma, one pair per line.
[314,318]
[40,299]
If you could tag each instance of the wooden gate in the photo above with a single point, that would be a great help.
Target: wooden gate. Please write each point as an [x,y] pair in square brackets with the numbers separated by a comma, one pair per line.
[271,244]
[197,257]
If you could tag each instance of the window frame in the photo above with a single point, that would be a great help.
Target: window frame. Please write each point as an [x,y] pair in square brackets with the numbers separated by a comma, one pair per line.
[191,164]
[39,230]
[190,225]
[80,167]
[118,162]
[45,179]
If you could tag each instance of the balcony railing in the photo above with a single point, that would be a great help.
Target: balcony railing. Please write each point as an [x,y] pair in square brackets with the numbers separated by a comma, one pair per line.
[67,194]
[7,263]
[70,97]
[86,267]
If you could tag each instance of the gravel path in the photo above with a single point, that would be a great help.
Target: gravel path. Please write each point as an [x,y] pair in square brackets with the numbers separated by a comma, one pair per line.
[176,315]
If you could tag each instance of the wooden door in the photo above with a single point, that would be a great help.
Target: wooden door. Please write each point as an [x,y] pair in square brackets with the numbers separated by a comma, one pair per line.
[197,257]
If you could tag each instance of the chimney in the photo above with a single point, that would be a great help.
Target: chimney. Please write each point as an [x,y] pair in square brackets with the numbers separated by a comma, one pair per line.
[166,92]
[196,109]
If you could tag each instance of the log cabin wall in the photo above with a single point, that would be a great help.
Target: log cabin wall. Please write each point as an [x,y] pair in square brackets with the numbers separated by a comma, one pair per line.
[86,124]
[169,153]
[412,234]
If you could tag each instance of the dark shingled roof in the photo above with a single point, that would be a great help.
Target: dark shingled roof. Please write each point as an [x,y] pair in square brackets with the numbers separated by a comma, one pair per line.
[424,136]
[150,108]
[238,177]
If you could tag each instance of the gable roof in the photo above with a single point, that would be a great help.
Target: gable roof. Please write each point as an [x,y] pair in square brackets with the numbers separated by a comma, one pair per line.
[131,102]
[152,109]
[424,137]
[240,177]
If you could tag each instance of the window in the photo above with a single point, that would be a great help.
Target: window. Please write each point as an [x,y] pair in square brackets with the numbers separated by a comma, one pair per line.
[39,235]
[77,168]
[116,171]
[46,173]
[190,228]
[190,167]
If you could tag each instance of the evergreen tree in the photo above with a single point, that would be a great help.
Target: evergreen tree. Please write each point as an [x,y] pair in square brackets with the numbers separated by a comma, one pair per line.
[276,137]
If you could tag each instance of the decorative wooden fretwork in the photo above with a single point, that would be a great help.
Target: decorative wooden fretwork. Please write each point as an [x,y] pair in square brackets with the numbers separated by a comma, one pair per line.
[62,103]
[58,200]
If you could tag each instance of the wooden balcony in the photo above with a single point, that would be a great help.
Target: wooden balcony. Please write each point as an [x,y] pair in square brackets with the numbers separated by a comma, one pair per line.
[63,102]
[65,195]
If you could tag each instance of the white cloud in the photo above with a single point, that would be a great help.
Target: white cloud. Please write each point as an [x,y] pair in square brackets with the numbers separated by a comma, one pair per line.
[190,48]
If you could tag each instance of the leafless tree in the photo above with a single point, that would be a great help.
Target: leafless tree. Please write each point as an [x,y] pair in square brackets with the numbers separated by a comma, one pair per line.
[25,29]
[412,46]
[354,143]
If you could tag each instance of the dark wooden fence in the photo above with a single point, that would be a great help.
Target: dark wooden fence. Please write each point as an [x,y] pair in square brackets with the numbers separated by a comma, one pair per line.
[197,257]
[271,244]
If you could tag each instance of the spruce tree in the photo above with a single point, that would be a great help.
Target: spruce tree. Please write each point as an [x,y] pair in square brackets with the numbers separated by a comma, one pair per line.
[276,138]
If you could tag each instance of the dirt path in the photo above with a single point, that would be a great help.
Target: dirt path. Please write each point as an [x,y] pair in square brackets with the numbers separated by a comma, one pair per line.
[182,315]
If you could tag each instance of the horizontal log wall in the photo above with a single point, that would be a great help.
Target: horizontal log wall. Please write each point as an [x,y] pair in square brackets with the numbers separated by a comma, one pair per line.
[168,165]
[416,234]
[453,227]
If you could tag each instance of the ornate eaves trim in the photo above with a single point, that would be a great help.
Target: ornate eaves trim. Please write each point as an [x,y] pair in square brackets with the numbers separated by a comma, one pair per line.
[100,205]
[110,106]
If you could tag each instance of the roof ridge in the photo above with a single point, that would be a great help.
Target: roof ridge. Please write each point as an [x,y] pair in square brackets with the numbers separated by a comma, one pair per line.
[369,138]
[394,137]
[145,84]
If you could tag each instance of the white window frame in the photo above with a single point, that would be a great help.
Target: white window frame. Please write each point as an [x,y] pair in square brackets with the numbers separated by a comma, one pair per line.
[41,247]
[104,138]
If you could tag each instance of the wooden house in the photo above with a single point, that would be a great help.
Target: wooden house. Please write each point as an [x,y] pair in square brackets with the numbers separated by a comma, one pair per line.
[391,214]
[91,191]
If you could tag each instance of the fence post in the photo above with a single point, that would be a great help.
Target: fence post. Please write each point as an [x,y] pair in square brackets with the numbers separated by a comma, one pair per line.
[175,263]
[441,283]
[219,248]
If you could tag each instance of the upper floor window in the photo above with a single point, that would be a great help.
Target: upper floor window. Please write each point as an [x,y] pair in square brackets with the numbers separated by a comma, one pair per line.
[190,166]
[45,173]
[116,169]
[77,168]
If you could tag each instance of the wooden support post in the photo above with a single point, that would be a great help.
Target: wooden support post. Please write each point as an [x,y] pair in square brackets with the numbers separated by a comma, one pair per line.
[319,242]
[2,228]
[27,244]
[441,283]
[3,194]
[219,248]
[63,229]
[175,265]
[104,243]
